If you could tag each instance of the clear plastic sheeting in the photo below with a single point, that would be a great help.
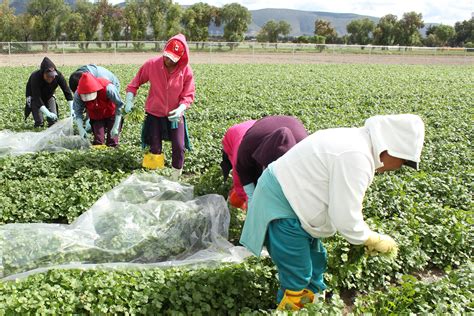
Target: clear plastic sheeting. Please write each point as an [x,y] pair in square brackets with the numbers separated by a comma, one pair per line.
[147,220]
[58,137]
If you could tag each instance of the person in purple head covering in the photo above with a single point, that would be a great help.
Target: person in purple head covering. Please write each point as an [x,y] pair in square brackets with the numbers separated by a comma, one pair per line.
[266,141]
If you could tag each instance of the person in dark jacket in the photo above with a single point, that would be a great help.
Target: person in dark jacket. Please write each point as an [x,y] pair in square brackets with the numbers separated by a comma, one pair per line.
[40,88]
[266,141]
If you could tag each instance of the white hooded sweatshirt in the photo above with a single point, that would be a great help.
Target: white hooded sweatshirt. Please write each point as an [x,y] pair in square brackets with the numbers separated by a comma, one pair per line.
[325,176]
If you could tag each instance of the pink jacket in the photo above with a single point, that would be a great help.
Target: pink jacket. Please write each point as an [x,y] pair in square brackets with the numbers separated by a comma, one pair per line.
[230,145]
[167,90]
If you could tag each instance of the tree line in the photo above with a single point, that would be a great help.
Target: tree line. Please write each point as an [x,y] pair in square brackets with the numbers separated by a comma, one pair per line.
[393,31]
[138,20]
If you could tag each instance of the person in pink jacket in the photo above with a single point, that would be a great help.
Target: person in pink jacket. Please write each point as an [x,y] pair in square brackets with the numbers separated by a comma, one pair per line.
[171,93]
[230,147]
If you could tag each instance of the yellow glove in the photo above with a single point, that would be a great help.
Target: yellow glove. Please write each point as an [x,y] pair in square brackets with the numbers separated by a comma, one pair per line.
[379,243]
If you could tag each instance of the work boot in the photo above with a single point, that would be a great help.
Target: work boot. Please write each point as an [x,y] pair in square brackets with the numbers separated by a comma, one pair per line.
[99,147]
[175,174]
[152,161]
[295,300]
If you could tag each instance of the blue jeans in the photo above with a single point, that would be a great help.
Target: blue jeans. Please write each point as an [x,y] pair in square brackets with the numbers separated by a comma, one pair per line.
[300,258]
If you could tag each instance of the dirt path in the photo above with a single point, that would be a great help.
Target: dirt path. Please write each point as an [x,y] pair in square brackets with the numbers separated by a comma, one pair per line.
[239,58]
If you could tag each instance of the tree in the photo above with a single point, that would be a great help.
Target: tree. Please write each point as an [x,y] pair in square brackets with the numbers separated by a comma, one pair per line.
[75,28]
[445,34]
[196,21]
[409,27]
[157,11]
[324,28]
[7,22]
[164,17]
[136,20]
[91,16]
[173,20]
[236,19]
[25,25]
[386,31]
[271,31]
[302,39]
[47,15]
[360,31]
[464,32]
[439,35]
[112,23]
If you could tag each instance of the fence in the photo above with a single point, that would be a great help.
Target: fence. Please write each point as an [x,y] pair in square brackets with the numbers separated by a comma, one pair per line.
[67,47]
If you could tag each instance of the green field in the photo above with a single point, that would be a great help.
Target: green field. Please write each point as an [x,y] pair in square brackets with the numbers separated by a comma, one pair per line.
[429,213]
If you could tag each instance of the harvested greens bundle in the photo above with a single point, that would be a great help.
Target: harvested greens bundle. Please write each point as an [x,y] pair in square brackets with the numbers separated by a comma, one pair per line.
[145,219]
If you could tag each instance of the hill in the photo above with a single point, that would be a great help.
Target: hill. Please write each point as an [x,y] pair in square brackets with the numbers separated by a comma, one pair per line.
[302,22]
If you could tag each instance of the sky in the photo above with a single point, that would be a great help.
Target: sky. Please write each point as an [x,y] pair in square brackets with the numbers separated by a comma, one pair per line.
[434,11]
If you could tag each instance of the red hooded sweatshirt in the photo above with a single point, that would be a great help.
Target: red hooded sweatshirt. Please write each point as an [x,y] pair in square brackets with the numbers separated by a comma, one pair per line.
[102,107]
[167,90]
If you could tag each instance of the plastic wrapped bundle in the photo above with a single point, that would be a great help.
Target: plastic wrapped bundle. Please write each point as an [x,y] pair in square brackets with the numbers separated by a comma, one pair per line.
[58,137]
[147,219]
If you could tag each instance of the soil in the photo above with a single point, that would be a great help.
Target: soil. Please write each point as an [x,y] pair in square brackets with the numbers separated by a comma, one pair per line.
[236,58]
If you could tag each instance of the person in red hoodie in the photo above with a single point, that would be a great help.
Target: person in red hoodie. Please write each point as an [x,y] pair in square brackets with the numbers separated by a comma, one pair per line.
[101,99]
[230,146]
[171,93]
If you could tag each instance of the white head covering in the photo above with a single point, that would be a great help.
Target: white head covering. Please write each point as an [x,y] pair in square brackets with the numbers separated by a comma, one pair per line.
[88,96]
[400,135]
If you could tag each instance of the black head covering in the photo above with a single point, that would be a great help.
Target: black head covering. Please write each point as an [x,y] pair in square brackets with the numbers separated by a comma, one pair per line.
[226,165]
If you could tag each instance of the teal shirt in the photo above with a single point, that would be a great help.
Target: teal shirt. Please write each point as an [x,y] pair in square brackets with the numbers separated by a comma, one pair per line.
[268,203]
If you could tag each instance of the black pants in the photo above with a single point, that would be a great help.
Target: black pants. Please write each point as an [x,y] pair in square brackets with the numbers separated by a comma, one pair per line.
[38,116]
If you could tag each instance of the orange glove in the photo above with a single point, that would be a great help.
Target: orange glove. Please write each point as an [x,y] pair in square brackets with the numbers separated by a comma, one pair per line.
[236,201]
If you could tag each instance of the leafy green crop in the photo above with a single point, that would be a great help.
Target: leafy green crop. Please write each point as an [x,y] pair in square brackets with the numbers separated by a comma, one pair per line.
[226,289]
[450,295]
[429,213]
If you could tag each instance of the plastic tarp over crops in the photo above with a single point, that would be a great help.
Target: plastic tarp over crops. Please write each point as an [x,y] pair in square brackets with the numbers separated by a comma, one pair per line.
[145,220]
[58,137]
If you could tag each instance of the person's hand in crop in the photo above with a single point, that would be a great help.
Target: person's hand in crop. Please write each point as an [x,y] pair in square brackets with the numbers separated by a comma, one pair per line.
[48,113]
[129,102]
[71,108]
[80,127]
[115,129]
[380,243]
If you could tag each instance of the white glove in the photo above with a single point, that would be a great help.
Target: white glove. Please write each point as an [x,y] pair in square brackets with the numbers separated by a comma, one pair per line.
[115,129]
[82,131]
[176,114]
[71,108]
[128,102]
[48,113]
[88,125]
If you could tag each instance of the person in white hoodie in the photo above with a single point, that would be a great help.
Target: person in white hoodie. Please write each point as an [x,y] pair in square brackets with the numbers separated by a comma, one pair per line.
[316,189]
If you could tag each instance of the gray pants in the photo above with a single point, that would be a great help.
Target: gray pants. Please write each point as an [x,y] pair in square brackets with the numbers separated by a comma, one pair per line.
[38,116]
